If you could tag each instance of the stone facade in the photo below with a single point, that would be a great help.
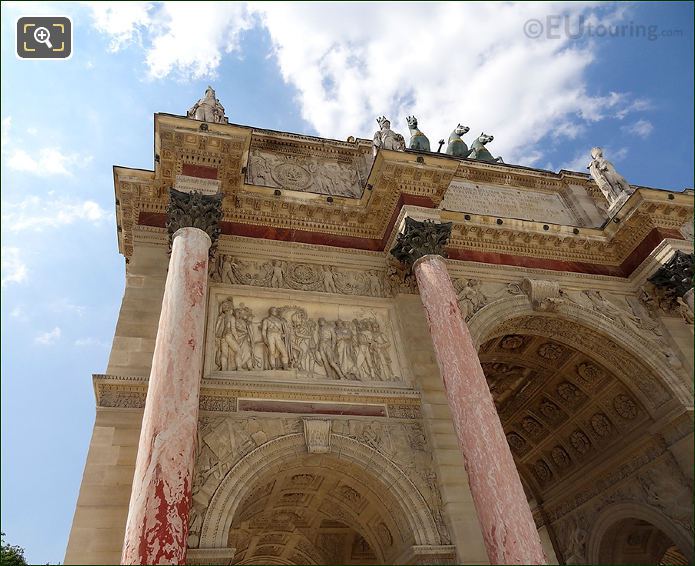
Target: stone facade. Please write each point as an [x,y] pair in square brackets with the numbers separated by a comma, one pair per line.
[324,433]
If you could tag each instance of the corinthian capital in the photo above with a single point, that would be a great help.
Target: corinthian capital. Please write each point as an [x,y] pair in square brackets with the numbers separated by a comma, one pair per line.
[420,239]
[676,275]
[194,210]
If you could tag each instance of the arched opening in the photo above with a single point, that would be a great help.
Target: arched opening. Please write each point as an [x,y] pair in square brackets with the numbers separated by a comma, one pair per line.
[281,504]
[582,402]
[316,510]
[636,541]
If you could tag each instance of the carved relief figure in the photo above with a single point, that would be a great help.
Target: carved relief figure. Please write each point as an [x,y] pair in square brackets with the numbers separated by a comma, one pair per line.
[277,275]
[235,337]
[611,184]
[329,279]
[607,308]
[505,382]
[326,350]
[386,138]
[276,339]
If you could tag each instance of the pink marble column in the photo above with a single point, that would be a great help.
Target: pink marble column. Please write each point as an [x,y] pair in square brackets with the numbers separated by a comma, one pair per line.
[157,526]
[505,518]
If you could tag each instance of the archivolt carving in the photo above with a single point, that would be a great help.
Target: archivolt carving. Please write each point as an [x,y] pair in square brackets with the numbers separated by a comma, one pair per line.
[400,494]
[618,347]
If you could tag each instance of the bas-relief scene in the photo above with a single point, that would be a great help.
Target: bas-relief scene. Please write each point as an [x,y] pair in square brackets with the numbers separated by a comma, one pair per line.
[316,341]
[308,173]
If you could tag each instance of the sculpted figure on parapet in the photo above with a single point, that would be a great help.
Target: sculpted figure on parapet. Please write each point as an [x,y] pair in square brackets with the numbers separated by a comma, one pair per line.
[288,339]
[612,184]
[208,109]
[386,138]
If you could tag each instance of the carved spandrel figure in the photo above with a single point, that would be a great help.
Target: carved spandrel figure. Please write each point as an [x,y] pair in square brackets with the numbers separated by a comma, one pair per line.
[326,350]
[276,339]
[386,138]
[608,309]
[456,146]
[208,109]
[418,140]
[611,184]
[480,152]
[471,298]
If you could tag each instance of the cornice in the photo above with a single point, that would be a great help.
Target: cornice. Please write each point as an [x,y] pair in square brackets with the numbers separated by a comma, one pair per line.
[396,180]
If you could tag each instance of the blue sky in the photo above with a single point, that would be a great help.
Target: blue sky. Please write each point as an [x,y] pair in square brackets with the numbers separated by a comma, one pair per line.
[320,69]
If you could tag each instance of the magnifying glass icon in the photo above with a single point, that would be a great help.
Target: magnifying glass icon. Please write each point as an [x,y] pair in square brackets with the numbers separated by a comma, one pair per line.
[42,35]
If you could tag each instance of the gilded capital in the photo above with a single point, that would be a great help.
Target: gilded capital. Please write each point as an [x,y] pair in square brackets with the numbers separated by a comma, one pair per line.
[420,239]
[194,210]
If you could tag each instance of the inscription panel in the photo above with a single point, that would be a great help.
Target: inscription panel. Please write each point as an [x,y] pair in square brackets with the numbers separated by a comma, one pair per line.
[525,204]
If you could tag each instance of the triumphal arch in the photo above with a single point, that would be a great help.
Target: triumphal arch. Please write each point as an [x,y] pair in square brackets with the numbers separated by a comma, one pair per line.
[373,352]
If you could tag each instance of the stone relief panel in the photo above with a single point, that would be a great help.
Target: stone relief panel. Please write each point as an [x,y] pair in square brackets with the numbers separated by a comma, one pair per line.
[493,200]
[319,341]
[224,441]
[279,274]
[307,173]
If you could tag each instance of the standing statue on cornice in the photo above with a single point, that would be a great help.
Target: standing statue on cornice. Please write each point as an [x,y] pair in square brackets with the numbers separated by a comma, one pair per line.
[480,152]
[208,109]
[612,184]
[386,138]
[418,140]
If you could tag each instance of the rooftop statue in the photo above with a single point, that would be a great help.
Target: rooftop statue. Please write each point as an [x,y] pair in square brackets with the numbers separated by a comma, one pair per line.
[480,152]
[208,109]
[612,184]
[386,138]
[456,146]
[418,140]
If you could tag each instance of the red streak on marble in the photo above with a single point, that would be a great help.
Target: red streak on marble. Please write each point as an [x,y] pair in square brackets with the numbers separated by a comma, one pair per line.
[200,171]
[157,526]
[505,518]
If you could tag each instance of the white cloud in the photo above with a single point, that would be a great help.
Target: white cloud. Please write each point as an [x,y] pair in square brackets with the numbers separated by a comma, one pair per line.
[641,128]
[14,270]
[87,342]
[44,162]
[34,213]
[64,305]
[120,20]
[188,38]
[443,62]
[48,161]
[48,338]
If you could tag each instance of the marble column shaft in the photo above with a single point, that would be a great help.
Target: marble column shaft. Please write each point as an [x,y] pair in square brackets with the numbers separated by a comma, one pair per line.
[507,524]
[157,526]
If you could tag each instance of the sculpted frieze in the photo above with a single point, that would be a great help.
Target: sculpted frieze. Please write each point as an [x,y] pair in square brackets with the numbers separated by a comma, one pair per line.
[318,341]
[307,173]
[280,274]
